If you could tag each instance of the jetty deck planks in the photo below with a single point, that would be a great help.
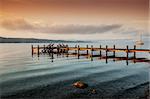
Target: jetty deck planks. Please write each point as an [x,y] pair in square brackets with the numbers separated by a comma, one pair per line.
[77,51]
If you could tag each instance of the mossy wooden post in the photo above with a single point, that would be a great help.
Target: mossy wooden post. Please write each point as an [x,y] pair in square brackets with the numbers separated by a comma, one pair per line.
[32,49]
[91,52]
[127,52]
[100,52]
[78,51]
[106,53]
[134,53]
[38,50]
[114,53]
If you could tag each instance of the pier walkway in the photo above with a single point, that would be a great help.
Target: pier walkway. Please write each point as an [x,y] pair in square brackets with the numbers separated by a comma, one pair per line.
[88,52]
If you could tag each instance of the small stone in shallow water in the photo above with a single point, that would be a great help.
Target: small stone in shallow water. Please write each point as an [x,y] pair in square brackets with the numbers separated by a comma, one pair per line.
[80,84]
[94,91]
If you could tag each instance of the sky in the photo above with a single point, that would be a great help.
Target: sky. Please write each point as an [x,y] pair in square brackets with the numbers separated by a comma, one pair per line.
[74,19]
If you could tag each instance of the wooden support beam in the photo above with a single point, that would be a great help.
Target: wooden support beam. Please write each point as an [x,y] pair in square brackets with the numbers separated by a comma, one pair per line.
[100,52]
[127,52]
[44,49]
[67,50]
[78,51]
[38,50]
[106,53]
[32,49]
[114,53]
[61,50]
[91,52]
[52,52]
[57,50]
[134,53]
[87,51]
[75,49]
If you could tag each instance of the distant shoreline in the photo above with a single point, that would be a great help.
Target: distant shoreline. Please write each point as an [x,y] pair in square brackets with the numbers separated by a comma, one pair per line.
[33,40]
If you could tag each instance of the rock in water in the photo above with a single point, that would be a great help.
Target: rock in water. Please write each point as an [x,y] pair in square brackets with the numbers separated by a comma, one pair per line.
[94,91]
[80,84]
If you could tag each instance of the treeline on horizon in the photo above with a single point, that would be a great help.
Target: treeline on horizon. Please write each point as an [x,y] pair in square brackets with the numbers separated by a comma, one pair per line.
[33,40]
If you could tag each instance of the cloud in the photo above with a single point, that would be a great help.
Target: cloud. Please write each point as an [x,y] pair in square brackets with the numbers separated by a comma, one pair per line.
[18,24]
[80,29]
[23,25]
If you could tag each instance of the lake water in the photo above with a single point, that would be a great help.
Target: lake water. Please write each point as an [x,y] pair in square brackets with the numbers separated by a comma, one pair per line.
[24,76]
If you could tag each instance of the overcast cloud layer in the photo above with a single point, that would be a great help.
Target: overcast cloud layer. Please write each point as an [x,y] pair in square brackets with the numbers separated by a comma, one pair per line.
[23,25]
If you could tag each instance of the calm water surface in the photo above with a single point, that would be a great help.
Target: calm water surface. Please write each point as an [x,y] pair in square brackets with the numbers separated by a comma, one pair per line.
[22,75]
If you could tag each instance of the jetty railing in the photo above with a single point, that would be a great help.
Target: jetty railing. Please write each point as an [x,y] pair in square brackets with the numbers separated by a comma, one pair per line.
[65,49]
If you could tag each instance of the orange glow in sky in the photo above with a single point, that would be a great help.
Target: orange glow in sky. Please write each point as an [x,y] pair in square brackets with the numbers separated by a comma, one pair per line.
[73,19]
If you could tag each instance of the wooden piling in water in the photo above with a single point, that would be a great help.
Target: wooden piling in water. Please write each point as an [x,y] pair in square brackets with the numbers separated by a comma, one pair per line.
[91,52]
[87,51]
[44,49]
[100,51]
[114,53]
[75,49]
[78,51]
[67,50]
[106,53]
[127,52]
[32,49]
[134,53]
[57,50]
[38,50]
[52,52]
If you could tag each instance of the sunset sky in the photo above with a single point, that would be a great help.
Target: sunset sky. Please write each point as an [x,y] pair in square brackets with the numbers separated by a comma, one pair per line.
[74,19]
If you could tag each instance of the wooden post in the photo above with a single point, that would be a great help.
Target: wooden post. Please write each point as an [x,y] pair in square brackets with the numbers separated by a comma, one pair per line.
[75,49]
[106,53]
[67,50]
[61,50]
[134,53]
[38,50]
[78,51]
[57,50]
[52,52]
[114,53]
[44,49]
[100,52]
[49,50]
[91,52]
[127,54]
[32,49]
[87,51]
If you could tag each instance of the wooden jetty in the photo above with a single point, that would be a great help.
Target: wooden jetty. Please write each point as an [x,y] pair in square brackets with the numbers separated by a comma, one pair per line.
[76,51]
